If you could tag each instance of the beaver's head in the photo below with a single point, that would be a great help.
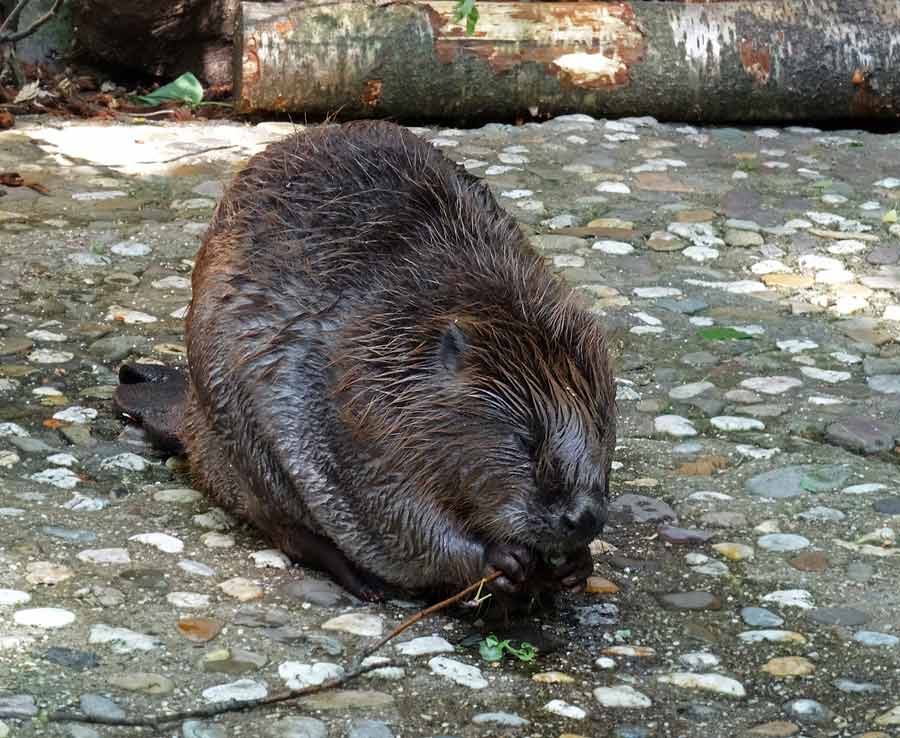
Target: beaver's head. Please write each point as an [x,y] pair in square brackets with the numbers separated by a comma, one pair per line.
[503,416]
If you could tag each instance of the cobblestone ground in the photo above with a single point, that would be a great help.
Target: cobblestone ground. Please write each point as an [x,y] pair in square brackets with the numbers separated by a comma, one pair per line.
[749,583]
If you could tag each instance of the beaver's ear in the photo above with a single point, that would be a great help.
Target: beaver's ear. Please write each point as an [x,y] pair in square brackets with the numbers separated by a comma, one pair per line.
[452,348]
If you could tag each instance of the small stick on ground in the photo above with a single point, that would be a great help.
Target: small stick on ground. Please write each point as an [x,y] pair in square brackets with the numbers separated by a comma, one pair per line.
[158,721]
[412,620]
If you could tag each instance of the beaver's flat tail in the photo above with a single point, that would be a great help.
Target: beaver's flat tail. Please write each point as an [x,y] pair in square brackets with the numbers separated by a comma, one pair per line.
[154,397]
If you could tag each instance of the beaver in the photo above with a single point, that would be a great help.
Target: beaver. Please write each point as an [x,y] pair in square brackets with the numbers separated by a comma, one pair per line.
[384,377]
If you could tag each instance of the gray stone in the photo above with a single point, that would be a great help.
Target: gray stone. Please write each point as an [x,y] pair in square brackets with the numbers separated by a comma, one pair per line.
[73,535]
[689,601]
[822,514]
[71,658]
[837,616]
[683,536]
[682,306]
[863,434]
[631,731]
[98,706]
[888,384]
[724,519]
[808,711]
[316,592]
[17,706]
[793,481]
[859,571]
[745,239]
[883,255]
[299,727]
[29,445]
[760,617]
[782,542]
[500,718]
[640,509]
[887,506]
[606,613]
[370,729]
[876,640]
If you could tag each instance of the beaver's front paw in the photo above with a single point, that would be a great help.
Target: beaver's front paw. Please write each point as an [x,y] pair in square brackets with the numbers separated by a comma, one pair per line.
[569,572]
[515,562]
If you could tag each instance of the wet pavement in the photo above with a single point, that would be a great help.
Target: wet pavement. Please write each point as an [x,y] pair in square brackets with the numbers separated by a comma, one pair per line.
[750,281]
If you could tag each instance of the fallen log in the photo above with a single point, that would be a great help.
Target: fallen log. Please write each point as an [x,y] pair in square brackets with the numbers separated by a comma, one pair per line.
[742,61]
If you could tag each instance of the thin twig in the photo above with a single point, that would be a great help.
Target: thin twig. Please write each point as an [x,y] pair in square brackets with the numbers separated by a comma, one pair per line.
[412,620]
[19,35]
[157,721]
[13,15]
[185,156]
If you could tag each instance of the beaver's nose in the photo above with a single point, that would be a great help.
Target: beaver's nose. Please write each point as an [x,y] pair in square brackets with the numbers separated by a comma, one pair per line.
[582,522]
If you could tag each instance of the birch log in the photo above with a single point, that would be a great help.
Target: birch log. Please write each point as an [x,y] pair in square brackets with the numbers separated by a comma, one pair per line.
[749,60]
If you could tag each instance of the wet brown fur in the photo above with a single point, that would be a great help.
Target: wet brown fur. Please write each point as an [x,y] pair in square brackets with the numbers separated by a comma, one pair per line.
[384,376]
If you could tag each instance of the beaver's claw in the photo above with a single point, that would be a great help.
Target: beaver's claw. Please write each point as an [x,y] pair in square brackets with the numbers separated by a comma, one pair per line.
[515,562]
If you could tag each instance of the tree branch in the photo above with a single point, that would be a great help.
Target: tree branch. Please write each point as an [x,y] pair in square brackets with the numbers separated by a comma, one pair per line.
[12,37]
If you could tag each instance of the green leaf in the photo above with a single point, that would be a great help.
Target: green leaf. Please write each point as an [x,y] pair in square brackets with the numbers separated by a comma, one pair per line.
[491,649]
[471,21]
[186,88]
[721,333]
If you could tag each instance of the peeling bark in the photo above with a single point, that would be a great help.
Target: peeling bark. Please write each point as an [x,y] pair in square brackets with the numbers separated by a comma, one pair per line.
[723,61]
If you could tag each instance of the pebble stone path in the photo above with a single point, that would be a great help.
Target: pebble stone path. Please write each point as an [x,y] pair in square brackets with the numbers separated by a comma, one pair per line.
[748,586]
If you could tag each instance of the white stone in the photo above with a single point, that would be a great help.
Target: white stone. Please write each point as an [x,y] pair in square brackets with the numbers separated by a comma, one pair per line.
[701,253]
[241,690]
[270,558]
[297,675]
[161,541]
[771,635]
[796,345]
[891,312]
[44,617]
[181,495]
[674,425]
[613,248]
[80,503]
[769,266]
[699,660]
[122,640]
[618,188]
[799,598]
[754,452]
[129,317]
[76,414]
[62,459]
[458,672]
[173,282]
[12,429]
[47,336]
[825,375]
[57,477]
[94,196]
[425,645]
[783,542]
[8,459]
[736,423]
[740,287]
[623,696]
[888,183]
[701,321]
[863,489]
[846,246]
[13,597]
[360,624]
[126,461]
[654,292]
[642,330]
[687,391]
[45,356]
[217,540]
[707,682]
[104,556]
[130,248]
[564,709]
[188,600]
[243,590]
[605,662]
[565,261]
[197,568]
[771,385]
